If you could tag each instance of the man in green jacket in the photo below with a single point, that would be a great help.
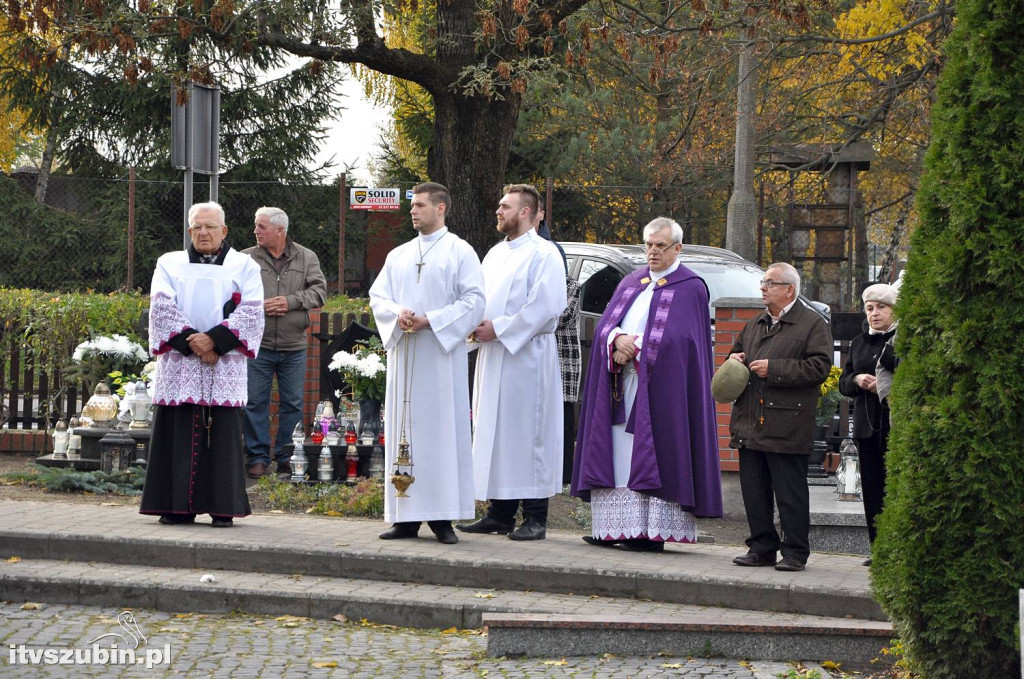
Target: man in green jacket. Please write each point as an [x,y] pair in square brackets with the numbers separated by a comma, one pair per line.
[788,349]
[292,285]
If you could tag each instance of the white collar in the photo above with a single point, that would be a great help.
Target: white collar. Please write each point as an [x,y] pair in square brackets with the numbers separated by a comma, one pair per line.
[433,236]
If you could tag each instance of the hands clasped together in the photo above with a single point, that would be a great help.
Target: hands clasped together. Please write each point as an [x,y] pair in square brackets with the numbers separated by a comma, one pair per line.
[202,346]
[410,322]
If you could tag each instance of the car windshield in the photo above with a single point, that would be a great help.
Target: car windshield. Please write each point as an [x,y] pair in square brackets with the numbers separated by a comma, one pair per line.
[729,280]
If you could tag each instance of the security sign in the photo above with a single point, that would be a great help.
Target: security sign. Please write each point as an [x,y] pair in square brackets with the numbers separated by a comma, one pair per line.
[376,200]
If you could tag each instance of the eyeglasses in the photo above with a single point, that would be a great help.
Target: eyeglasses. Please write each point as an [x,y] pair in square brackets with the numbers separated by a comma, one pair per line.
[654,247]
[765,283]
[205,227]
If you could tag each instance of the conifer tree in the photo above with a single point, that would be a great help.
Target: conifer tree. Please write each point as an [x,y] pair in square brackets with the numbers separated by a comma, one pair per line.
[949,557]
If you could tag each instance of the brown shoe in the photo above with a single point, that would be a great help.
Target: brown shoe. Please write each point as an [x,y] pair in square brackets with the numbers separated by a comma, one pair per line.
[257,470]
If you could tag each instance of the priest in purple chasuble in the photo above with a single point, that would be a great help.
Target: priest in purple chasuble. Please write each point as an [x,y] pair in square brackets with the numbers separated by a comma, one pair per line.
[647,447]
[205,321]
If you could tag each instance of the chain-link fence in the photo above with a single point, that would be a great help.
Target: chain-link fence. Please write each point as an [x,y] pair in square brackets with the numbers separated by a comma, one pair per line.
[83,244]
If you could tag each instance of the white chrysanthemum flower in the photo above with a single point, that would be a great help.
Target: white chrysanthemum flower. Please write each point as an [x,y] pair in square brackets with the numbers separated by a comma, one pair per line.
[342,361]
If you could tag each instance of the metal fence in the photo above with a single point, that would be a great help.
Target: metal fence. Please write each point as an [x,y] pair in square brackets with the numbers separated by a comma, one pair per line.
[113,230]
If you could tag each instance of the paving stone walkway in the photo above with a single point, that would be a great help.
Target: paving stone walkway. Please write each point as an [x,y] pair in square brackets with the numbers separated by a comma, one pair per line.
[242,645]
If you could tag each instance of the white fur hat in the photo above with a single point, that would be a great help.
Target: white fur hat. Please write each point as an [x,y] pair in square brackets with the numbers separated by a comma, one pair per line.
[879,292]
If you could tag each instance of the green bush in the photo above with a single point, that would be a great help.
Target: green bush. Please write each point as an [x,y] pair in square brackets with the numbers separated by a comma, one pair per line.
[47,326]
[949,557]
[69,480]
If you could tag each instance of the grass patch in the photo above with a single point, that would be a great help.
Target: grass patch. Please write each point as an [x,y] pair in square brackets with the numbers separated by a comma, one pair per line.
[364,499]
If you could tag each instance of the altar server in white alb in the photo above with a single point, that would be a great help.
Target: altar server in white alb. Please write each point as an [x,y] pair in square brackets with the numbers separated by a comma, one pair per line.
[427,299]
[517,389]
[205,321]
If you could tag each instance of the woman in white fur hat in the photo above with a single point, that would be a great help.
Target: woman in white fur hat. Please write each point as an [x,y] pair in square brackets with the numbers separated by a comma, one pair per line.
[870,415]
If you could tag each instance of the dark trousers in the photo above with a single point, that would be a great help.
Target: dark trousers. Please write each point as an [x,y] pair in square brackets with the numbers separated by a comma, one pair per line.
[569,445]
[505,510]
[763,474]
[872,477]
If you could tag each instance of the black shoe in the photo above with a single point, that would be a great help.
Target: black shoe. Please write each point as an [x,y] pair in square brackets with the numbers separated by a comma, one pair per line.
[175,519]
[598,542]
[789,564]
[643,545]
[443,532]
[867,561]
[221,521]
[486,525]
[401,531]
[284,471]
[530,530]
[755,559]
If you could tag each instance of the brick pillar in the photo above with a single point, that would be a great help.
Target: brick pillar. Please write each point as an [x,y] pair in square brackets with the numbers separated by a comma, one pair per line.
[731,316]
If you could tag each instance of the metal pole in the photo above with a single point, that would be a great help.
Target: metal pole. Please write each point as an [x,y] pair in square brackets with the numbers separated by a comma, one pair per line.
[548,214]
[188,204]
[342,213]
[131,229]
[188,167]
[215,134]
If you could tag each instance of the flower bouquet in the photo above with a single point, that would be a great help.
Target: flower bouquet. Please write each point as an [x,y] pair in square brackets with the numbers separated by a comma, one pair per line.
[364,370]
[94,360]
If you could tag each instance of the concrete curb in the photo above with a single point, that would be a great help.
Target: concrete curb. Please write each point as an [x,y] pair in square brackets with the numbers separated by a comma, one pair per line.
[852,643]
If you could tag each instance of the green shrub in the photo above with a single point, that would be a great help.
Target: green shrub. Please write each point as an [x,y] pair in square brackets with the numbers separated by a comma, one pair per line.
[47,326]
[949,557]
[69,480]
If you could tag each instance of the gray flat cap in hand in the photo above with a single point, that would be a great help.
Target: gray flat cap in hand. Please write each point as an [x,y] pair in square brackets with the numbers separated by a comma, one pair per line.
[729,381]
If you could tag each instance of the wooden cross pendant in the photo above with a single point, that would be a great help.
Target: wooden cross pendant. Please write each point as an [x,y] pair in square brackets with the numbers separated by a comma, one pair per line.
[419,270]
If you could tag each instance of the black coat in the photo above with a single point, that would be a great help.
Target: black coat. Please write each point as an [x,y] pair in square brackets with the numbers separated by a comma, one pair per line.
[869,414]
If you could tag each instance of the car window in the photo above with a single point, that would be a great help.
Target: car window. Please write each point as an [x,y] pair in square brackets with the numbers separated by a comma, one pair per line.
[597,285]
[729,280]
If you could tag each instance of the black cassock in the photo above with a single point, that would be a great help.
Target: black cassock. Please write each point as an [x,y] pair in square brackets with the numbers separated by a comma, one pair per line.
[192,470]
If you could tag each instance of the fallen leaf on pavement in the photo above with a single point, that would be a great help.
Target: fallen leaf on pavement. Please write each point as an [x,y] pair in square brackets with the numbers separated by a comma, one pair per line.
[290,618]
[340,617]
[14,559]
[484,595]
[559,663]
[30,606]
[450,630]
[325,663]
[672,665]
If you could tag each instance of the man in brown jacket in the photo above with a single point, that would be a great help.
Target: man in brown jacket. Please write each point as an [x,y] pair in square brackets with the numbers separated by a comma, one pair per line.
[292,285]
[788,349]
